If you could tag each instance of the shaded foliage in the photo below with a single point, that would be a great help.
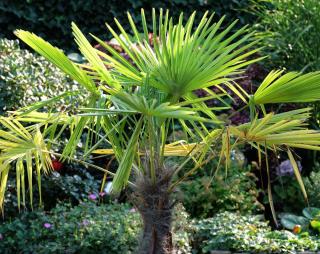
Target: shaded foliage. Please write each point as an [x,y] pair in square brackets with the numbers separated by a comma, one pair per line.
[52,19]
[291,29]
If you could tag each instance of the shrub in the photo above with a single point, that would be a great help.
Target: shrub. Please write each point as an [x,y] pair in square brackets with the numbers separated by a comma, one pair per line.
[230,231]
[204,197]
[26,78]
[75,184]
[86,228]
[286,193]
[287,196]
[292,28]
[312,184]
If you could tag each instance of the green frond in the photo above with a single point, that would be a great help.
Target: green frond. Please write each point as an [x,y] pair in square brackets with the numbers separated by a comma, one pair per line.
[169,62]
[20,147]
[123,173]
[126,103]
[290,87]
[281,130]
[92,56]
[57,57]
[41,104]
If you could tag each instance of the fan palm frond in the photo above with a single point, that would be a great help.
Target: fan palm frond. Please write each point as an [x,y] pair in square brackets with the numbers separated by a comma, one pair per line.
[290,87]
[57,57]
[280,130]
[27,152]
[168,60]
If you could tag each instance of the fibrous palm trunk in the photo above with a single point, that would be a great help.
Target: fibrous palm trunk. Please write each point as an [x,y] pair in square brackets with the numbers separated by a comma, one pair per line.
[153,203]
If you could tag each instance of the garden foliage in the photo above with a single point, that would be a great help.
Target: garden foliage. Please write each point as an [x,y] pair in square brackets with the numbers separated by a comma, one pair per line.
[72,184]
[250,233]
[204,196]
[51,19]
[291,30]
[313,185]
[308,221]
[134,104]
[26,78]
[87,228]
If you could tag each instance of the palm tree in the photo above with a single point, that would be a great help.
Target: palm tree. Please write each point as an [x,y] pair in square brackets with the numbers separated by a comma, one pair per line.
[134,104]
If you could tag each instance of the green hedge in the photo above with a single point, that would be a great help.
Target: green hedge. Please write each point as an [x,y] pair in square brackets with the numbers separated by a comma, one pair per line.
[51,18]
[26,78]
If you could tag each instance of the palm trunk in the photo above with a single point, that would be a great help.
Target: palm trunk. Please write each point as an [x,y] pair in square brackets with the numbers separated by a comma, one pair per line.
[156,238]
[153,202]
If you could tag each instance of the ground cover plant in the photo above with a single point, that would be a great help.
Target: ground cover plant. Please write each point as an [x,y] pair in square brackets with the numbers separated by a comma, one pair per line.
[134,105]
[248,233]
[90,227]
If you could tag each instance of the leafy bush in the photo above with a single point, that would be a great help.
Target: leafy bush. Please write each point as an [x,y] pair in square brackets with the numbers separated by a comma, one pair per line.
[292,28]
[205,196]
[86,228]
[26,78]
[312,184]
[51,19]
[230,231]
[287,195]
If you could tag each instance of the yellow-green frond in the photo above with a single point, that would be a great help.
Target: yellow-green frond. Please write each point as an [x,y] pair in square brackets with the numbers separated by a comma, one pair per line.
[22,149]
[58,58]
[291,87]
[280,130]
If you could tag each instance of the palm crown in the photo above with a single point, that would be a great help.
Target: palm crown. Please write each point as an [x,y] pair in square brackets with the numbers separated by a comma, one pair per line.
[133,104]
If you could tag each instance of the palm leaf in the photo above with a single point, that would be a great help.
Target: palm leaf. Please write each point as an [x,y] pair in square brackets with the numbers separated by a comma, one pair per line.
[170,62]
[18,145]
[122,175]
[57,57]
[135,104]
[178,148]
[91,55]
[297,174]
[287,129]
[4,170]
[291,87]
